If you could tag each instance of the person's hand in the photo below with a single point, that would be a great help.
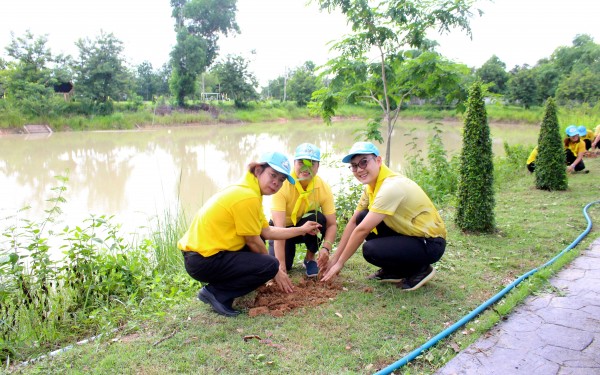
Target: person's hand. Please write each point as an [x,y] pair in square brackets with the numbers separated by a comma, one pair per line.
[332,272]
[283,282]
[322,261]
[311,227]
[570,169]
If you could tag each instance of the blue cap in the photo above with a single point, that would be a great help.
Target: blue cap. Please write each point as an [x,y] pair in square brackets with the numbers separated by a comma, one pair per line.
[308,151]
[571,130]
[582,131]
[360,148]
[278,162]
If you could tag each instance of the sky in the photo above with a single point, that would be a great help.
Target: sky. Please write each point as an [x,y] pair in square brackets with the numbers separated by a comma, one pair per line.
[280,35]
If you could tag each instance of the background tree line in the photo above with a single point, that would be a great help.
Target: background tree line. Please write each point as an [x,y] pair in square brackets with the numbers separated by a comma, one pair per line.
[412,74]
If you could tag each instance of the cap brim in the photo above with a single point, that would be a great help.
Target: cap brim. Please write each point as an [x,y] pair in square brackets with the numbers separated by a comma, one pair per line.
[278,169]
[347,158]
[308,157]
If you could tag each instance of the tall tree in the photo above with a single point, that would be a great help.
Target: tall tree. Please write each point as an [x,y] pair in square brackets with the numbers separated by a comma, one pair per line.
[494,71]
[475,206]
[28,81]
[101,72]
[579,87]
[274,88]
[235,80]
[145,80]
[303,83]
[550,172]
[198,24]
[390,29]
[522,86]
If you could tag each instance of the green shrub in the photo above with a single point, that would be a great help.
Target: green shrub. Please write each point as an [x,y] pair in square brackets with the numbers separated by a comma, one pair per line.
[475,207]
[437,176]
[550,172]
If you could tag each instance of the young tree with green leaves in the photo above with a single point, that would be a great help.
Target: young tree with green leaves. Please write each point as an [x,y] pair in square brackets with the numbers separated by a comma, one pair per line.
[406,64]
[235,80]
[198,24]
[494,71]
[303,83]
[475,207]
[28,78]
[101,74]
[522,86]
[550,172]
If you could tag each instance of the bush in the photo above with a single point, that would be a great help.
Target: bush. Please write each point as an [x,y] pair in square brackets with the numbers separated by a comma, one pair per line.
[475,207]
[550,172]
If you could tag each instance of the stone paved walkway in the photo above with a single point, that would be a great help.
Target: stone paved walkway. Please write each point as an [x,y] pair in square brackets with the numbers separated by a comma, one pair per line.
[557,333]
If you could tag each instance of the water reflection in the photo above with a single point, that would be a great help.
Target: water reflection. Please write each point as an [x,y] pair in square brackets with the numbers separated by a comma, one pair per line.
[137,174]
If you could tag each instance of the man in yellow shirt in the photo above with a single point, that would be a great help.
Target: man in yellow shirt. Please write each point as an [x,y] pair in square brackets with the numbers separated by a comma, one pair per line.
[310,198]
[224,246]
[402,231]
[586,136]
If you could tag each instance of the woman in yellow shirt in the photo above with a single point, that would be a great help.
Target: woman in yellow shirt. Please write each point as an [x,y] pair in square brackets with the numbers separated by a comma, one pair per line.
[224,246]
[402,231]
[574,150]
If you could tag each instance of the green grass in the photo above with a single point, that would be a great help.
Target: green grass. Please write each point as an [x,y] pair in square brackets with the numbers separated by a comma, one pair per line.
[255,112]
[369,325]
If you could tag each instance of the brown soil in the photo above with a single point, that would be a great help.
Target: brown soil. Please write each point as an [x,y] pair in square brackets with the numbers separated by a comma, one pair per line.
[591,154]
[269,300]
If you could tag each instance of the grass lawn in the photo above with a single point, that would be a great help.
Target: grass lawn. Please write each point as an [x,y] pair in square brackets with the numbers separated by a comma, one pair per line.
[369,325]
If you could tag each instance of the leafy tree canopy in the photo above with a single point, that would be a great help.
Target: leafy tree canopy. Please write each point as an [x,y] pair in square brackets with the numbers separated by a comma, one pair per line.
[395,32]
[235,80]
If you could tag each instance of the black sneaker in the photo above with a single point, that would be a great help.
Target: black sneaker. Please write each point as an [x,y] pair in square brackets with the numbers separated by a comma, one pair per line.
[385,277]
[417,280]
[207,297]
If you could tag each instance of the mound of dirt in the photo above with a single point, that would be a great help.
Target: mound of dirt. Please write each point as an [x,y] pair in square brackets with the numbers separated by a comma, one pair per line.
[269,300]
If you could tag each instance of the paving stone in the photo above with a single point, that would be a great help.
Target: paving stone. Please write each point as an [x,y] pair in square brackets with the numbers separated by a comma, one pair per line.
[555,333]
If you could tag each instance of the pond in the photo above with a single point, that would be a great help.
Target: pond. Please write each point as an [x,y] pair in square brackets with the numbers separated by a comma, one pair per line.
[136,175]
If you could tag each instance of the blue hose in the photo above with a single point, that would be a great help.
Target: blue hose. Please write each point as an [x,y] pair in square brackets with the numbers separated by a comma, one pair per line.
[464,320]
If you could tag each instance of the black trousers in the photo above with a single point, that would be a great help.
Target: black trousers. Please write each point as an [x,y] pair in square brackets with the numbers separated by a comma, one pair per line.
[570,158]
[399,254]
[312,242]
[231,274]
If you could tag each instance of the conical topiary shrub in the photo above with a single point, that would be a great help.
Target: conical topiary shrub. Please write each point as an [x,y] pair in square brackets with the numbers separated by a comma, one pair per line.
[475,207]
[550,172]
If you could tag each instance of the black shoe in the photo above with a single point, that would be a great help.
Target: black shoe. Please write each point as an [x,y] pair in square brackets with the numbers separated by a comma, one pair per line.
[207,297]
[419,279]
[385,277]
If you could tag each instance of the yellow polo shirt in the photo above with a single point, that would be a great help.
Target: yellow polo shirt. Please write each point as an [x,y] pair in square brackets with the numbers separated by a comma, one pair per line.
[532,156]
[575,147]
[408,210]
[589,135]
[226,218]
[320,197]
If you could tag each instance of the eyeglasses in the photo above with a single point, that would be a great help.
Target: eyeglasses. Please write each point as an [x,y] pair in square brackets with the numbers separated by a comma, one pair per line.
[362,164]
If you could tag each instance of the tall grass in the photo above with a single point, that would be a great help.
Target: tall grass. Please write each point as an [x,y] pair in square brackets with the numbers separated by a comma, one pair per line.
[99,282]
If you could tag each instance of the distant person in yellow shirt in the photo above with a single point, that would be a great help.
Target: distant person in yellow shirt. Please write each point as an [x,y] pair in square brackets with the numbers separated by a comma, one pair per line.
[402,231]
[574,150]
[309,199]
[586,136]
[596,141]
[224,246]
[531,160]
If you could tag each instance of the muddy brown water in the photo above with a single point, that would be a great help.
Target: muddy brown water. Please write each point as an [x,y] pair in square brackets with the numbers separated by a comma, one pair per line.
[136,175]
